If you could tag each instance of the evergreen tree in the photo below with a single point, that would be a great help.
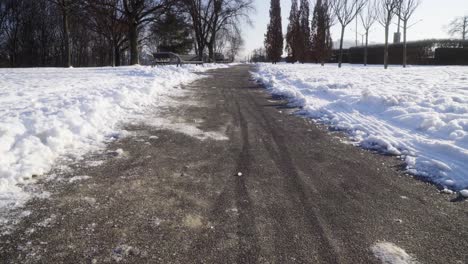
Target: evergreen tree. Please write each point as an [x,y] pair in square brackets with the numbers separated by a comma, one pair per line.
[321,39]
[304,44]
[293,33]
[274,35]
[172,33]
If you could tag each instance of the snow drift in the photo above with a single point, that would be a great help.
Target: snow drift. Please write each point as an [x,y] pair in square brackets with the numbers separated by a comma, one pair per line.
[49,113]
[418,113]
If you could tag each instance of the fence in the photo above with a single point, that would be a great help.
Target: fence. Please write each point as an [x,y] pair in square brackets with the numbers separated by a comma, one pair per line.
[426,52]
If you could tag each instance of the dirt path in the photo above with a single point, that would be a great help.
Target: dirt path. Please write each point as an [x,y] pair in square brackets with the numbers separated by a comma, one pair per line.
[174,195]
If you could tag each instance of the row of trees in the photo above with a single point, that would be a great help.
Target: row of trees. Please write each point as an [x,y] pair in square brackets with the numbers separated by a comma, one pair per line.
[305,41]
[112,32]
[312,42]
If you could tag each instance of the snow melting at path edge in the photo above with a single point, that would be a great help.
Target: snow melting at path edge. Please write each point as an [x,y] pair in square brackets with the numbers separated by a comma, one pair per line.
[49,113]
[418,113]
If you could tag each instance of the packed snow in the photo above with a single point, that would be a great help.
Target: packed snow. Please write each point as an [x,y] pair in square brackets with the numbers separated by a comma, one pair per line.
[418,113]
[389,253]
[50,113]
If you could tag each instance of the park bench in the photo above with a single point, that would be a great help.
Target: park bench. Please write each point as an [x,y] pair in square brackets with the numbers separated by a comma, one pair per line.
[170,58]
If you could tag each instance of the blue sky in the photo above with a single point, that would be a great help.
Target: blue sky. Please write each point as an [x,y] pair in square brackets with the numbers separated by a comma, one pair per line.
[434,16]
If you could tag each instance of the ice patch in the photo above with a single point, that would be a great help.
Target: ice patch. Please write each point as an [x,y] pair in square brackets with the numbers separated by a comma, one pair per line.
[78,178]
[389,253]
[187,129]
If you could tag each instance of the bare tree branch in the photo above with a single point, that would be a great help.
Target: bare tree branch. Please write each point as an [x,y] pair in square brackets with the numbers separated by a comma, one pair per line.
[459,26]
[346,11]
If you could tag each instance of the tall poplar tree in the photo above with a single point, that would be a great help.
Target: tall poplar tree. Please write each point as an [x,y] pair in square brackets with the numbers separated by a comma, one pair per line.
[322,43]
[274,35]
[304,36]
[293,33]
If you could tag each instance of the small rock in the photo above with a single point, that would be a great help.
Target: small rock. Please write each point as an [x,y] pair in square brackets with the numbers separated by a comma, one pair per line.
[446,191]
[239,174]
[398,221]
[464,193]
[131,251]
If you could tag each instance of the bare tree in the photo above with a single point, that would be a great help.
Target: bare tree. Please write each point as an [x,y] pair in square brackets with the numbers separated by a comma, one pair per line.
[230,42]
[224,15]
[368,18]
[106,20]
[65,7]
[459,26]
[198,11]
[386,11]
[137,14]
[3,12]
[346,11]
[12,30]
[236,44]
[407,9]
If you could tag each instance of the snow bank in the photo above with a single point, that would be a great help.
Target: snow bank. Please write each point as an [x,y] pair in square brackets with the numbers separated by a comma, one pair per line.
[418,113]
[48,113]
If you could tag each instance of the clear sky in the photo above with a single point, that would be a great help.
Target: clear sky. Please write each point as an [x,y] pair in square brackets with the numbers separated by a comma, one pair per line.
[433,15]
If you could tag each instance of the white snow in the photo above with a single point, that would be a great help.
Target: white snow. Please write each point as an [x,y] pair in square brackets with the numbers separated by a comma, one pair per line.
[389,253]
[187,128]
[78,178]
[50,113]
[418,113]
[464,193]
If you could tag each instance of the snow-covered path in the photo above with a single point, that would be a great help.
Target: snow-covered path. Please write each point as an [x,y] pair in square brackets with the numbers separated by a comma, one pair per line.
[418,113]
[230,177]
[52,113]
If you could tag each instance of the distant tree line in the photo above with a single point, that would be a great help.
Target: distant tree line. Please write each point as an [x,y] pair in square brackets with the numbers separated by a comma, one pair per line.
[310,40]
[424,52]
[116,32]
[259,55]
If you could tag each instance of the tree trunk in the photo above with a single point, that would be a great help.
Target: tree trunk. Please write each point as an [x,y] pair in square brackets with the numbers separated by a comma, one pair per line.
[465,22]
[211,52]
[195,47]
[112,54]
[340,60]
[133,37]
[201,48]
[387,26]
[405,23]
[66,35]
[212,47]
[365,48]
